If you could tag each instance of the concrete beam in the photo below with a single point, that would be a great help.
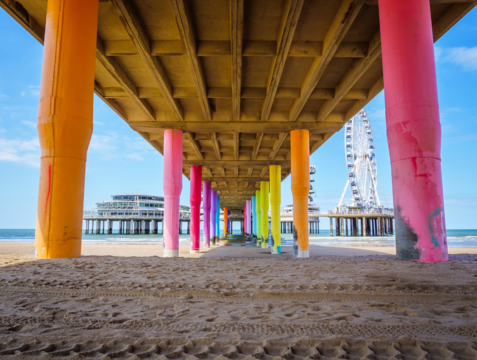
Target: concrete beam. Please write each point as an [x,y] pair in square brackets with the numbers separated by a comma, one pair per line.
[186,30]
[236,35]
[237,126]
[347,12]
[289,24]
[134,26]
[283,163]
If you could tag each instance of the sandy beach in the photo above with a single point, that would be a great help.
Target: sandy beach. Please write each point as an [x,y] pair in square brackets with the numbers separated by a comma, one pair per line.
[126,301]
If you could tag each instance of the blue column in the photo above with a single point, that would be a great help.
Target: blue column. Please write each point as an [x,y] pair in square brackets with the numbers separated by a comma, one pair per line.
[254,214]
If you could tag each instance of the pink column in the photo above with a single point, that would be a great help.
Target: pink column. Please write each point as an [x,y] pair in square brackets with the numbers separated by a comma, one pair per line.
[248,219]
[206,207]
[172,185]
[213,214]
[413,129]
[195,200]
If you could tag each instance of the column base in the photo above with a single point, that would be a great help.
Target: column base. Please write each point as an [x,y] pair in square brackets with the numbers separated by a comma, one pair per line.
[301,254]
[277,251]
[206,246]
[194,251]
[170,253]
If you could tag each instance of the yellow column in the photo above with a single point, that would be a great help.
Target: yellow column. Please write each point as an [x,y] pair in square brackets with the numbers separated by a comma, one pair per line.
[300,184]
[65,124]
[275,200]
[264,202]
[259,218]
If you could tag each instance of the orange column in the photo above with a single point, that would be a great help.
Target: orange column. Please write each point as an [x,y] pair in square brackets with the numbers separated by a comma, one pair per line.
[65,124]
[225,221]
[300,184]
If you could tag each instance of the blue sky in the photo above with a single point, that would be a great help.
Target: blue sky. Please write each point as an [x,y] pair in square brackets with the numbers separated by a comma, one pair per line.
[120,161]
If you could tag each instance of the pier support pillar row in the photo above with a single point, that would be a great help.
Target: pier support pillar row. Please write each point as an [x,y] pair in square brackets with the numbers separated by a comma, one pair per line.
[275,200]
[195,200]
[65,125]
[172,185]
[300,184]
[265,205]
[413,129]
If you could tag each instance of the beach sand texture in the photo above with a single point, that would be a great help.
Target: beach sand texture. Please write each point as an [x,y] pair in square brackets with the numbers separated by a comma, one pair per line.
[353,304]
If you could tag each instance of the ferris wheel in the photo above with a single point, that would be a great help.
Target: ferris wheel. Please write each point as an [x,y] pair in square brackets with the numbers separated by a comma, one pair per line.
[360,155]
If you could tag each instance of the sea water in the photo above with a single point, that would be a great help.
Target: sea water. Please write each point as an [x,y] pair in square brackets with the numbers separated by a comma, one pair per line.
[455,238]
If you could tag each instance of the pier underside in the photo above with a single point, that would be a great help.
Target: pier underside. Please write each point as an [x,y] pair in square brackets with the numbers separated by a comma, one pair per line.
[237,76]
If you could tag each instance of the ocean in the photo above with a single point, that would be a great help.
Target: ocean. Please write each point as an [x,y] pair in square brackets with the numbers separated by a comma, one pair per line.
[455,238]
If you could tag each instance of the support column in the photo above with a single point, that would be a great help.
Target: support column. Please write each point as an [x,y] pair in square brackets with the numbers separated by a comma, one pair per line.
[380,233]
[259,217]
[65,125]
[195,200]
[206,207]
[225,221]
[331,226]
[217,220]
[143,226]
[98,227]
[153,227]
[110,226]
[342,220]
[249,216]
[275,201]
[172,184]
[413,129]
[300,184]
[213,215]
[264,204]
[254,214]
[363,226]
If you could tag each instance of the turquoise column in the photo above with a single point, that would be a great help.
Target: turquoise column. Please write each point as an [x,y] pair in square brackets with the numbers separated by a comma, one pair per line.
[254,214]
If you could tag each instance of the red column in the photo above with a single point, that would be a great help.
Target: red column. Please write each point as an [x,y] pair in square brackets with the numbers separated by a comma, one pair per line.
[195,200]
[413,129]
[172,184]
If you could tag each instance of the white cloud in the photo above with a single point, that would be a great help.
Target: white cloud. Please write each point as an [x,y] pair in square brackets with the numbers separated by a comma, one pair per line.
[29,123]
[134,156]
[112,145]
[33,90]
[462,56]
[22,151]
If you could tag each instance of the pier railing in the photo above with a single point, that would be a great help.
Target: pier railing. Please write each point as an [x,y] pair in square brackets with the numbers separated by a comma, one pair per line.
[387,212]
[144,214]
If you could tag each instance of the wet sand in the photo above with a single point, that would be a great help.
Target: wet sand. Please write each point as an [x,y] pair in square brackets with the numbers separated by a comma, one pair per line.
[122,301]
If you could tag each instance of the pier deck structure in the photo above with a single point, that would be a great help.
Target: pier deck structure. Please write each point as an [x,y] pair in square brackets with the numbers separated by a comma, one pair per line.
[236,87]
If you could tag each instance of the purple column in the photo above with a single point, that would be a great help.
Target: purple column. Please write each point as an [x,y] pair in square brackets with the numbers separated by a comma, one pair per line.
[195,200]
[213,215]
[172,185]
[206,193]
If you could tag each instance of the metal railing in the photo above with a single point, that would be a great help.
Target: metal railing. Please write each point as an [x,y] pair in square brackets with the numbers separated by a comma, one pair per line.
[388,212]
